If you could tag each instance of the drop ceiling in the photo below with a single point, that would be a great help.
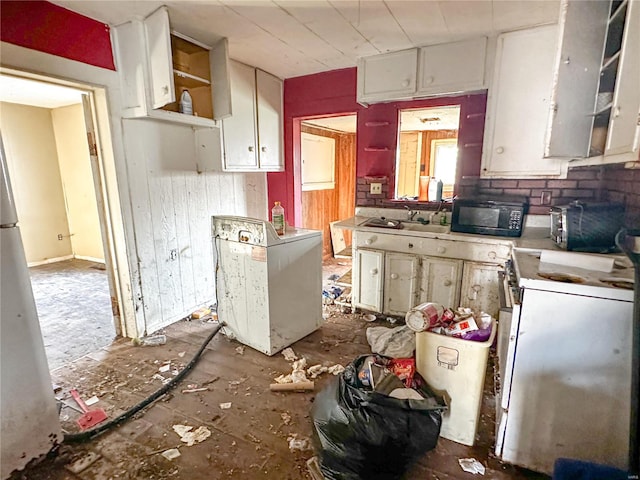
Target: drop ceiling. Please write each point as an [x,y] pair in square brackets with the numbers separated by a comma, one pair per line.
[289,38]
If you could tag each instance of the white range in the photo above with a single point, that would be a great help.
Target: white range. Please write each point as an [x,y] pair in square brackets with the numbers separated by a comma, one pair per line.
[565,364]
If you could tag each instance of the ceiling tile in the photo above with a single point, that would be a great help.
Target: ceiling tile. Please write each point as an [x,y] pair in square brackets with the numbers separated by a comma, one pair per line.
[422,21]
[375,22]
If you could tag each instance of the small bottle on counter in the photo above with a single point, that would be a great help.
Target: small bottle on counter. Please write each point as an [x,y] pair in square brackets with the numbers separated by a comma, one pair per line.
[277,218]
[439,191]
[433,189]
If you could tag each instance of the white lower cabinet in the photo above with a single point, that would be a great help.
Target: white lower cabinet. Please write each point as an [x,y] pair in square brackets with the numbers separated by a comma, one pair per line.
[440,281]
[368,270]
[401,281]
[480,287]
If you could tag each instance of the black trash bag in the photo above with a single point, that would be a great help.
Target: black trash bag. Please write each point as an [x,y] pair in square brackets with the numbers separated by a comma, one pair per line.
[360,434]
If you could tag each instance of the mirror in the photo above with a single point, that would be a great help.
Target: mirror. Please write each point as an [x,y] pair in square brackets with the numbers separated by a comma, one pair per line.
[427,147]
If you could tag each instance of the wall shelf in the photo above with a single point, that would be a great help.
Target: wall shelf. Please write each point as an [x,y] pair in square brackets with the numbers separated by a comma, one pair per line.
[376,149]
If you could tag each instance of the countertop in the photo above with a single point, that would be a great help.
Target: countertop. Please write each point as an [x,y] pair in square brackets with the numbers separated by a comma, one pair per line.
[533,238]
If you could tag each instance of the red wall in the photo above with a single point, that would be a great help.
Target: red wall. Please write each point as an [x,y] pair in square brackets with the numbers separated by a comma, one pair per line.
[334,92]
[52,29]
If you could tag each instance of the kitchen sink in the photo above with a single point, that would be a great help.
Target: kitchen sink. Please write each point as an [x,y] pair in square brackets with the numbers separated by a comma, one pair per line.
[421,227]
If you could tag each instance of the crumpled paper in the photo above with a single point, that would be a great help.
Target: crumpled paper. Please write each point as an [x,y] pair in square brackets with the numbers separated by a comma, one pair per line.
[471,465]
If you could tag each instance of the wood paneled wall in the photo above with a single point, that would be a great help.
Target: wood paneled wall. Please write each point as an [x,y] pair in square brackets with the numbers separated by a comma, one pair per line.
[320,207]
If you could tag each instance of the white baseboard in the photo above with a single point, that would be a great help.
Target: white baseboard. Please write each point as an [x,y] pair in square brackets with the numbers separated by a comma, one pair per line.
[66,257]
[50,260]
[90,259]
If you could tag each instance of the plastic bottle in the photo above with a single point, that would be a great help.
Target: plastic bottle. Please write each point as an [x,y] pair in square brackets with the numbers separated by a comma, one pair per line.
[433,189]
[439,187]
[186,104]
[277,218]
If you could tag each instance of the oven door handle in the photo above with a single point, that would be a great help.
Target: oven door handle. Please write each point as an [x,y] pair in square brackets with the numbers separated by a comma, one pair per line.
[504,291]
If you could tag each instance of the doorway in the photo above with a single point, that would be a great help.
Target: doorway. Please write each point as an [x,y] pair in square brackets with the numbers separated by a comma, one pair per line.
[328,178]
[53,174]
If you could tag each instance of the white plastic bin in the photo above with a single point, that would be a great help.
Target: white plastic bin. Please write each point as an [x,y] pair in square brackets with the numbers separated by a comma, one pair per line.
[455,368]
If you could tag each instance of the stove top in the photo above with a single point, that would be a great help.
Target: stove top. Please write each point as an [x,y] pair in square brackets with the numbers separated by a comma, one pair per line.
[617,284]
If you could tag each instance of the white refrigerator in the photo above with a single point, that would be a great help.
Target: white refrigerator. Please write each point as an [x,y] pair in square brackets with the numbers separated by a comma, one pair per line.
[30,426]
[268,287]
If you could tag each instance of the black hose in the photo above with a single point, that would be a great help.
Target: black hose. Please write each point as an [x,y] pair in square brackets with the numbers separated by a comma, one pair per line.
[91,434]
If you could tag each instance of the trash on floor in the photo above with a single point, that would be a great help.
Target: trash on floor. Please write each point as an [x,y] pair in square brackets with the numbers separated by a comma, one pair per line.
[336,369]
[292,387]
[289,354]
[195,390]
[90,418]
[165,368]
[171,454]
[240,350]
[190,436]
[84,462]
[313,466]
[225,406]
[201,312]
[471,465]
[396,342]
[296,443]
[157,376]
[316,370]
[286,418]
[150,341]
[354,423]
[91,401]
[298,373]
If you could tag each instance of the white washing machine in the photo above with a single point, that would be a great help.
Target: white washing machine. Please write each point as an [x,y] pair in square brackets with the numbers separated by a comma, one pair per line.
[268,287]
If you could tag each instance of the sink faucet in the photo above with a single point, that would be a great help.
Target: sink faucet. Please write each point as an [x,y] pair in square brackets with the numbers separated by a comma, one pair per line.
[411,213]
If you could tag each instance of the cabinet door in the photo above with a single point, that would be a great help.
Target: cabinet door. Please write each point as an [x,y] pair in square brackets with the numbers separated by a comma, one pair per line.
[400,282]
[239,130]
[388,76]
[518,105]
[626,98]
[452,67]
[583,26]
[480,288]
[158,35]
[440,281]
[129,41]
[220,79]
[269,91]
[367,279]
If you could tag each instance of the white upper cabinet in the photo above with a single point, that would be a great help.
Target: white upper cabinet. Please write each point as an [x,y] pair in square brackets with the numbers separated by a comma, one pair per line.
[518,105]
[387,76]
[452,67]
[441,69]
[156,65]
[253,133]
[625,117]
[596,98]
[583,27]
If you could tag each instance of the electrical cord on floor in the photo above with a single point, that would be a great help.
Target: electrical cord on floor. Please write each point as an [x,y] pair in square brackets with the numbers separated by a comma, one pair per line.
[91,434]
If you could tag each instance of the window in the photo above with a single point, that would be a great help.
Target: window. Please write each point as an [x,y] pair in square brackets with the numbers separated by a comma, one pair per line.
[427,147]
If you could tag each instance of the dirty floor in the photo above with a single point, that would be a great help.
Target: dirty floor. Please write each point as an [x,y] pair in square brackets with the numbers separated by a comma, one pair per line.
[249,440]
[74,308]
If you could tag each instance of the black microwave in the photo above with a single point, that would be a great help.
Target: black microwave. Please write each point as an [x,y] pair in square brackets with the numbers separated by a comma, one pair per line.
[487,216]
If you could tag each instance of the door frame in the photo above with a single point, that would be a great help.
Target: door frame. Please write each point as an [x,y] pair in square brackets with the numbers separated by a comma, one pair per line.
[103,170]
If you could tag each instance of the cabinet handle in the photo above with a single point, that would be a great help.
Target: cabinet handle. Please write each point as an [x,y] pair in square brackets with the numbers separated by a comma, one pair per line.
[394,276]
[500,150]
[165,90]
[411,245]
[429,80]
[441,250]
[374,271]
[264,149]
[492,255]
[405,83]
[369,241]
[447,283]
[251,148]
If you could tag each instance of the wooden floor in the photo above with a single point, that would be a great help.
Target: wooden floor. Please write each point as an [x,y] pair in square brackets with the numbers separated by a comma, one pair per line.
[248,440]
